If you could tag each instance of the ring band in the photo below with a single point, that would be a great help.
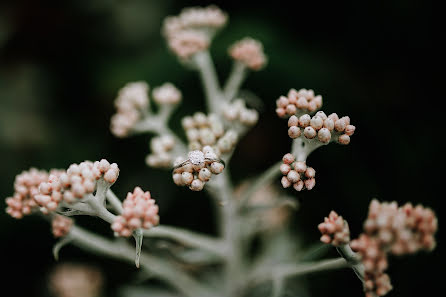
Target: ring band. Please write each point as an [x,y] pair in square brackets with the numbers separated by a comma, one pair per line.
[206,160]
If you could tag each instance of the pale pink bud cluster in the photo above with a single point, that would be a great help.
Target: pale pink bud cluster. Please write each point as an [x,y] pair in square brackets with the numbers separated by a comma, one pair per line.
[187,43]
[390,229]
[161,147]
[249,52]
[298,102]
[192,30]
[166,94]
[403,230]
[202,130]
[53,195]
[321,127]
[139,211]
[334,230]
[61,225]
[195,18]
[198,170]
[237,111]
[79,180]
[26,186]
[297,174]
[132,99]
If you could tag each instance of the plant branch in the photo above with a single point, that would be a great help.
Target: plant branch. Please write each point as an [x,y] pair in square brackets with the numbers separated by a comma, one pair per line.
[352,258]
[114,201]
[289,270]
[235,80]
[188,238]
[150,264]
[209,80]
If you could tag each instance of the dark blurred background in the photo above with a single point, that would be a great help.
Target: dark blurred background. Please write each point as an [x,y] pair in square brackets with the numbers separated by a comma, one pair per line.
[62,62]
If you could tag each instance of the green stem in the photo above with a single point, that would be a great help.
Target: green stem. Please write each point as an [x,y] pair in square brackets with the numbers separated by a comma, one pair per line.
[235,80]
[153,265]
[290,270]
[352,258]
[188,238]
[208,75]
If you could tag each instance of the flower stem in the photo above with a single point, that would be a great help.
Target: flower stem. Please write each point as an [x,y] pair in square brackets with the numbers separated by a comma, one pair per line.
[188,238]
[209,80]
[352,258]
[153,265]
[235,80]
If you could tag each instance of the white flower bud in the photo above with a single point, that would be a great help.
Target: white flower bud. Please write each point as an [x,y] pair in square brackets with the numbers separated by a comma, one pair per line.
[309,132]
[304,120]
[294,132]
[324,135]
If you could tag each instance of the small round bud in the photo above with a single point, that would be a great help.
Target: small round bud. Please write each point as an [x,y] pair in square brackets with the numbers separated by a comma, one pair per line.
[178,179]
[299,186]
[285,182]
[309,132]
[294,132]
[310,183]
[316,122]
[204,174]
[187,178]
[288,158]
[349,130]
[300,166]
[310,172]
[293,121]
[344,139]
[321,114]
[282,102]
[324,135]
[217,167]
[340,125]
[196,185]
[293,176]
[304,120]
[329,124]
[291,109]
[285,168]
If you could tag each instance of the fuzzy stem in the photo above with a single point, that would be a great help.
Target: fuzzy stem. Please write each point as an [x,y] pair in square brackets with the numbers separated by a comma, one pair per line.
[352,258]
[188,238]
[289,270]
[209,80]
[114,201]
[100,210]
[302,148]
[263,180]
[235,80]
[153,265]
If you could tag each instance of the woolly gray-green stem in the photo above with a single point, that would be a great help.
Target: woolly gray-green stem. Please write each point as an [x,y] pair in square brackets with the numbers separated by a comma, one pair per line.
[161,269]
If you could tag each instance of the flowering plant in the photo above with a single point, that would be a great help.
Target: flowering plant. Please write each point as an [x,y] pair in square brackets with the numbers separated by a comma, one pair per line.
[246,212]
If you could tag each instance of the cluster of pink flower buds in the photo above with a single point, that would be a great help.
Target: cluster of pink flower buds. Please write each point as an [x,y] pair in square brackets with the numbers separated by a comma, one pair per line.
[334,230]
[166,94]
[139,211]
[26,186]
[202,130]
[193,29]
[321,127]
[237,111]
[161,147]
[61,225]
[298,102]
[198,169]
[297,174]
[390,229]
[132,99]
[79,180]
[249,52]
